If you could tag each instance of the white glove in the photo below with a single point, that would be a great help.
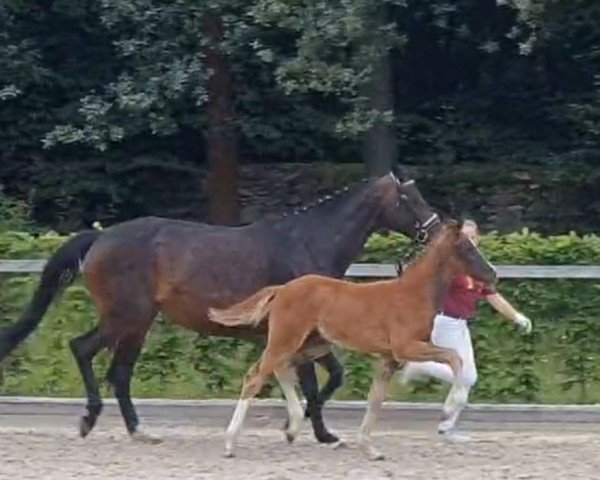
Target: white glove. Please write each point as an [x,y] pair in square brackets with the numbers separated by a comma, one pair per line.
[523,322]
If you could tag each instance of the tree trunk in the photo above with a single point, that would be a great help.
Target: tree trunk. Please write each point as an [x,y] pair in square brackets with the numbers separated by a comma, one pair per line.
[222,134]
[379,148]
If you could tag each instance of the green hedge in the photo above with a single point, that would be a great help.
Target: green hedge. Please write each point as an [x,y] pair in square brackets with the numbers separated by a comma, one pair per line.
[558,363]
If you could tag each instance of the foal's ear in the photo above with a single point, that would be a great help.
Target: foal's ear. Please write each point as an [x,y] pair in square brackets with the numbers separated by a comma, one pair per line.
[453,225]
[454,229]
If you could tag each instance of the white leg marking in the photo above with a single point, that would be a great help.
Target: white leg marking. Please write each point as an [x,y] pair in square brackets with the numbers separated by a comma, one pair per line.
[235,426]
[376,397]
[364,436]
[294,407]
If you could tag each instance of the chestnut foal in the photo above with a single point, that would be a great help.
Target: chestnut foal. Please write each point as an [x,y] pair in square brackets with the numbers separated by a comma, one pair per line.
[392,319]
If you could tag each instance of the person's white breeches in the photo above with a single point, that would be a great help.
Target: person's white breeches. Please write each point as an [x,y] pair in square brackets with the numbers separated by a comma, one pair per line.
[453,333]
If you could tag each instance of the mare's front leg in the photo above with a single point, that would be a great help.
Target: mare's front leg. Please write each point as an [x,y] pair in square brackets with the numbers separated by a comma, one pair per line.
[386,369]
[335,370]
[315,399]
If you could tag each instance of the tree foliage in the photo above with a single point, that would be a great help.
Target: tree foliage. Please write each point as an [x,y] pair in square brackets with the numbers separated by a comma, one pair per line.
[101,100]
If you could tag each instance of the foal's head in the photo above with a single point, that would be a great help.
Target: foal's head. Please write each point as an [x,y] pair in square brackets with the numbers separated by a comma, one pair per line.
[404,209]
[464,256]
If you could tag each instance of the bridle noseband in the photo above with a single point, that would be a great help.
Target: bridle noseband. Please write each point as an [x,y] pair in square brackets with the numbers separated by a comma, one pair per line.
[423,230]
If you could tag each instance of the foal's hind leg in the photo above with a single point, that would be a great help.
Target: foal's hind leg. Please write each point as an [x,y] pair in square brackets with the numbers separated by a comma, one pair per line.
[287,381]
[386,369]
[253,383]
[84,349]
[284,340]
[255,379]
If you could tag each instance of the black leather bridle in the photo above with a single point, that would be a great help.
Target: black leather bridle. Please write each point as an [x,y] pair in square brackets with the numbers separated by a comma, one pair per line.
[422,233]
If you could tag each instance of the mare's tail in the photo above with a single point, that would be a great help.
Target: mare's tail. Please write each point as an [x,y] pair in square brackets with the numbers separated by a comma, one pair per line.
[249,312]
[60,271]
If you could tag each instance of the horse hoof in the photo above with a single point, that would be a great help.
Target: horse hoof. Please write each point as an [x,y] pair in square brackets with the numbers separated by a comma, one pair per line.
[290,437]
[229,453]
[373,454]
[339,444]
[85,426]
[453,436]
[377,457]
[142,437]
[327,438]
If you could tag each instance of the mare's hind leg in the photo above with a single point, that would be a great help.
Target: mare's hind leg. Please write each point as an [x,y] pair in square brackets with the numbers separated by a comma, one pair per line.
[386,369]
[119,376]
[84,349]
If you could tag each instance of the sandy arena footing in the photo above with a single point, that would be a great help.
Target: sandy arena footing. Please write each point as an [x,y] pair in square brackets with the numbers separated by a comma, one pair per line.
[42,444]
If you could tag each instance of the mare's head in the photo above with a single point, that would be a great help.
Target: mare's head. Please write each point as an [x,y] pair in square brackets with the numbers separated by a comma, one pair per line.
[404,210]
[462,253]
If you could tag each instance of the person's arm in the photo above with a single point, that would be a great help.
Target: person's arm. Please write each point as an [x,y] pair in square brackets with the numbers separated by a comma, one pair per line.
[501,305]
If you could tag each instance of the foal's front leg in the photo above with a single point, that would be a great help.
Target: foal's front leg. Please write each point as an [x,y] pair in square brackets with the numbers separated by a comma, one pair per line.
[386,369]
[418,351]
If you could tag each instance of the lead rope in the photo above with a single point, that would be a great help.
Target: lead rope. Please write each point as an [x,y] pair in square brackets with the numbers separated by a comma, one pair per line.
[408,256]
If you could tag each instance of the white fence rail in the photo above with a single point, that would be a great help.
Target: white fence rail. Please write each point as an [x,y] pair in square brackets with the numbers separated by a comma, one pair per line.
[385,270]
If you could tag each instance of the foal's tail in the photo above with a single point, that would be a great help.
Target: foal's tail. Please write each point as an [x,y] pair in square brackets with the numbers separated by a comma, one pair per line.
[60,271]
[249,312]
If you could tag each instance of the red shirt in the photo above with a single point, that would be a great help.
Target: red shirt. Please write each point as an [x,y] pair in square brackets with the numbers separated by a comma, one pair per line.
[463,296]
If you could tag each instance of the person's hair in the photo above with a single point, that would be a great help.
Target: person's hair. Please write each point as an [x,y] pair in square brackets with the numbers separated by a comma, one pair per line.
[471,224]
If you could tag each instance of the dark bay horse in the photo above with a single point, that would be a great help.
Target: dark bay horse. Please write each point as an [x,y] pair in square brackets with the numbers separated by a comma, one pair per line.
[392,319]
[135,269]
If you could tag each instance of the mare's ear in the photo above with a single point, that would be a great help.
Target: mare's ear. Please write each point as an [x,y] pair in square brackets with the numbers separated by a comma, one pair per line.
[399,172]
